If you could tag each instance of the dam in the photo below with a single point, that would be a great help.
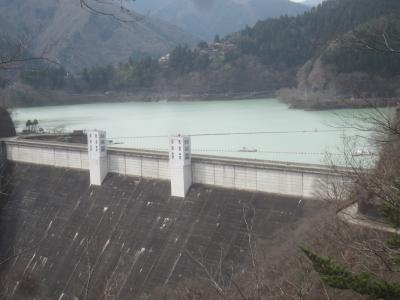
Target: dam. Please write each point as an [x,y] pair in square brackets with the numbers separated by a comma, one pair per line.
[284,178]
[67,235]
[130,231]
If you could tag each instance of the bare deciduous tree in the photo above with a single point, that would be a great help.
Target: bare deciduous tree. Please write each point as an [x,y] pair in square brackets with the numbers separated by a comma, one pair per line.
[15,54]
[381,37]
[14,51]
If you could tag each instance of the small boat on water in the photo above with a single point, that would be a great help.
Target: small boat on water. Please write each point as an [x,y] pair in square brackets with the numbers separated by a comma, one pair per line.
[111,142]
[245,149]
[362,152]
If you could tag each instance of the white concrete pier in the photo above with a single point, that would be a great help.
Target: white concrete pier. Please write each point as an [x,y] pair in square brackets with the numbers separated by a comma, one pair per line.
[180,165]
[97,154]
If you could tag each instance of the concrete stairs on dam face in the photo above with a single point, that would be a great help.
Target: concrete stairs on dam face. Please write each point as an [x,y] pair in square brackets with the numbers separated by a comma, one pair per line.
[133,234]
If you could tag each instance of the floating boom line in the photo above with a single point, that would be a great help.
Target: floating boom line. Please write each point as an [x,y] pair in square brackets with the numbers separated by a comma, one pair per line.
[236,133]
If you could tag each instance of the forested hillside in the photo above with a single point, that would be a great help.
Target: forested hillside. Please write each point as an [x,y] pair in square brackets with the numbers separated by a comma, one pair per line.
[64,32]
[291,41]
[312,60]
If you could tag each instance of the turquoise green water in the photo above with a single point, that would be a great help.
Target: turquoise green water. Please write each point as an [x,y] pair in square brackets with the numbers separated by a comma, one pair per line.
[166,118]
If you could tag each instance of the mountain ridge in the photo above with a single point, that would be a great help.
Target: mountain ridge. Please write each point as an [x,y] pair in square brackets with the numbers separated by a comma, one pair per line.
[297,58]
[77,38]
[205,19]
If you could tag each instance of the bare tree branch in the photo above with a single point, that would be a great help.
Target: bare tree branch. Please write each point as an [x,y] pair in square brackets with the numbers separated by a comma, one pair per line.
[211,278]
[121,13]
[384,38]
[16,57]
[15,54]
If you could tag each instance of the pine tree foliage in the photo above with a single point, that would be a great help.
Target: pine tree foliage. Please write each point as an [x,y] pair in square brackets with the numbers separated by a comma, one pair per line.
[339,277]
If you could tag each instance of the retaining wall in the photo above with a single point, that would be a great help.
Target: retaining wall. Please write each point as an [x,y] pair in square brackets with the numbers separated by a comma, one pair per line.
[138,163]
[51,154]
[264,176]
[121,161]
[292,179]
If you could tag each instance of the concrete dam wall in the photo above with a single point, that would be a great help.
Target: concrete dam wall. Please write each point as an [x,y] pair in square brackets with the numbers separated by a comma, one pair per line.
[300,180]
[140,235]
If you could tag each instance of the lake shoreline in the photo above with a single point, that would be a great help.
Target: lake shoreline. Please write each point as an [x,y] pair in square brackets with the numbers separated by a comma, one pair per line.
[60,98]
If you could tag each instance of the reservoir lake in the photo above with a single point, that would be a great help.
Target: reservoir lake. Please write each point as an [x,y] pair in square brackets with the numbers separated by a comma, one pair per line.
[222,128]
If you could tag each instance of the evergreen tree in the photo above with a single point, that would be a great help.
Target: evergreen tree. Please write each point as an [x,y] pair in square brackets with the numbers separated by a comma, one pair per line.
[339,277]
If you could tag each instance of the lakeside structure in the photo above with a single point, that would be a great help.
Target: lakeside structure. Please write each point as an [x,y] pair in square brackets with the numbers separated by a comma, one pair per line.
[136,237]
[178,166]
[139,216]
[97,155]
